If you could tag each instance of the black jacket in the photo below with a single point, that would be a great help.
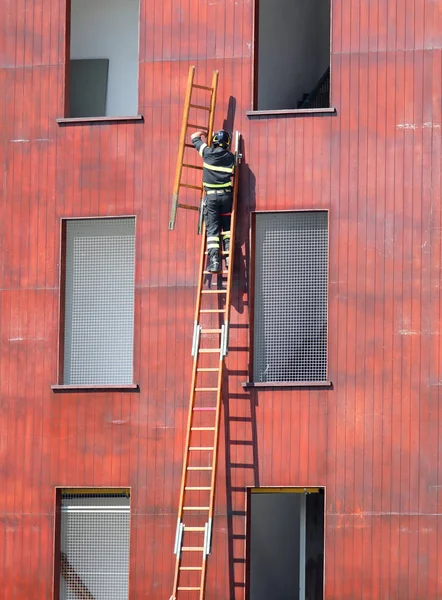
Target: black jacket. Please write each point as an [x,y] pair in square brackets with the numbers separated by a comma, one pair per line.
[218,165]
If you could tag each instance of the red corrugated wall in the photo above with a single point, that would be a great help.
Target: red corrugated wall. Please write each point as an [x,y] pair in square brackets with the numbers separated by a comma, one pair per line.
[373,439]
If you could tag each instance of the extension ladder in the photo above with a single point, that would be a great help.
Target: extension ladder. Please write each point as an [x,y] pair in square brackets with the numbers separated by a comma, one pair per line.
[209,348]
[199,105]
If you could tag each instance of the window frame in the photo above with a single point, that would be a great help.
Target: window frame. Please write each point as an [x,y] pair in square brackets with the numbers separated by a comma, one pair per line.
[252,276]
[60,386]
[293,112]
[66,118]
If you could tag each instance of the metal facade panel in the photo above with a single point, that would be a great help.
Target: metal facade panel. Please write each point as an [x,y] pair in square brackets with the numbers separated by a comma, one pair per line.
[290,316]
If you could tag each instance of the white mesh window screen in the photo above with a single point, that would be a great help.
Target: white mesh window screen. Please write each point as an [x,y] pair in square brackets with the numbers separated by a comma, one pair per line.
[99,301]
[94,558]
[290,302]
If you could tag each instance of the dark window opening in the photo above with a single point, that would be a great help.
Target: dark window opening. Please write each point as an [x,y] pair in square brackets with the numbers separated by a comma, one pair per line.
[103,65]
[292,57]
[286,544]
[290,297]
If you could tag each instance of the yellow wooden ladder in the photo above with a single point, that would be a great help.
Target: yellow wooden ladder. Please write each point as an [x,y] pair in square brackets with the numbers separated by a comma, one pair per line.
[209,348]
[196,111]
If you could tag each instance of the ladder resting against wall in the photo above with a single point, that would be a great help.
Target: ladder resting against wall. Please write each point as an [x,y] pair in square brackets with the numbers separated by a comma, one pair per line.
[198,115]
[209,348]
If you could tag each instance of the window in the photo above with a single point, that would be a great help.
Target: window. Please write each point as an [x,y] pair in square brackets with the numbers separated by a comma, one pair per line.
[92,545]
[103,65]
[290,296]
[98,324]
[292,54]
[285,543]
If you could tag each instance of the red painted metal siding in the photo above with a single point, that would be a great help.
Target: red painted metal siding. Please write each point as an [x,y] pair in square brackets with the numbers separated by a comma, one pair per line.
[372,440]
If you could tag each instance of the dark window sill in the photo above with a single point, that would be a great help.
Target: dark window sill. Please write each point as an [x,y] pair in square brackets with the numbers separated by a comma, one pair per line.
[60,388]
[288,384]
[288,112]
[76,120]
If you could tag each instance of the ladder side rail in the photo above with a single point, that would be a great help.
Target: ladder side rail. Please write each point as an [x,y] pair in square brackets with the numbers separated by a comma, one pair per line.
[201,274]
[220,374]
[203,228]
[188,434]
[226,316]
[212,105]
[210,122]
[232,232]
[181,146]
[213,475]
[190,417]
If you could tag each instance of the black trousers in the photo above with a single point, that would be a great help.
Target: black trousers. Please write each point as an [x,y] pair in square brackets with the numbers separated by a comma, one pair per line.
[217,212]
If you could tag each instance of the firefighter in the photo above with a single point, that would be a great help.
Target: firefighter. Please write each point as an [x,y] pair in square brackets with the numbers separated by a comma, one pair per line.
[218,168]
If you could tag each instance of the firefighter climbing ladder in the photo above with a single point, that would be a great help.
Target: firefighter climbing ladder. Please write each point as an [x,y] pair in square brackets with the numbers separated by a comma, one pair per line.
[209,348]
[184,169]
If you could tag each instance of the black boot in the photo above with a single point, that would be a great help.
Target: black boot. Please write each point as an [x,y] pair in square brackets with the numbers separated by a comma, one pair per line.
[214,266]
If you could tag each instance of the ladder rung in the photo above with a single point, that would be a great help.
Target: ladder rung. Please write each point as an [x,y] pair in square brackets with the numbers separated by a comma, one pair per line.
[204,408]
[196,489]
[193,166]
[206,389]
[209,369]
[195,529]
[192,568]
[200,107]
[213,291]
[196,508]
[203,428]
[223,252]
[189,589]
[193,187]
[212,310]
[199,468]
[218,273]
[191,206]
[211,331]
[200,448]
[209,350]
[199,127]
[202,87]
[191,549]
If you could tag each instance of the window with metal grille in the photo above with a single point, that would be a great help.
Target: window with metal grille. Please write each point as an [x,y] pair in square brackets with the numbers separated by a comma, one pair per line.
[93,545]
[99,301]
[290,296]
